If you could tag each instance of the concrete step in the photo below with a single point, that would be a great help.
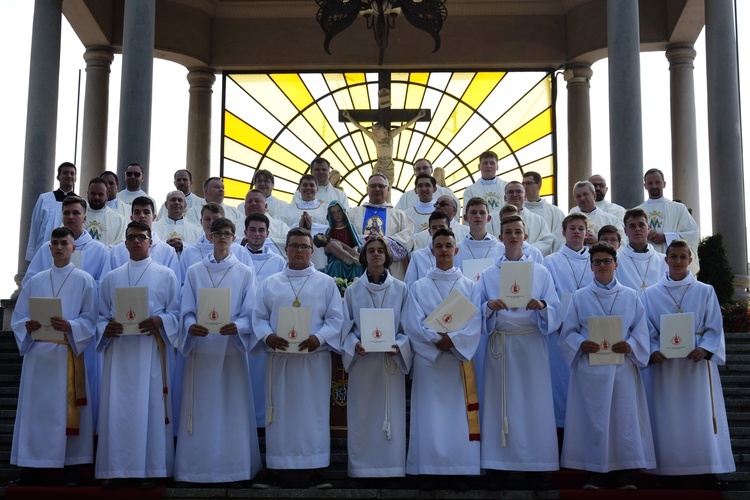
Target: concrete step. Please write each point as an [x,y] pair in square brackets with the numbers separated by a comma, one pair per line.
[740,445]
[740,337]
[737,359]
[9,390]
[735,379]
[734,369]
[731,392]
[739,431]
[740,417]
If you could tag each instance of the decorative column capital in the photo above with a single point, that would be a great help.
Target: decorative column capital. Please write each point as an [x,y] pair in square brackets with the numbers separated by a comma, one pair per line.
[680,54]
[201,78]
[577,74]
[98,57]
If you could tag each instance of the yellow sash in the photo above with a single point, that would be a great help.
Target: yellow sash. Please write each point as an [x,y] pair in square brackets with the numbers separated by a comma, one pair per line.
[76,382]
[472,401]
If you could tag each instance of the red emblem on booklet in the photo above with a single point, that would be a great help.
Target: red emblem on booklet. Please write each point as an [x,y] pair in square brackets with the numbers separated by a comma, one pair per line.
[214,315]
[605,345]
[676,340]
[131,314]
[377,333]
[448,318]
[515,288]
[293,334]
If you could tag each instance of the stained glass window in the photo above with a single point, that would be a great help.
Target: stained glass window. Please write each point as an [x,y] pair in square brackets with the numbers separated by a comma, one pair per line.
[281,121]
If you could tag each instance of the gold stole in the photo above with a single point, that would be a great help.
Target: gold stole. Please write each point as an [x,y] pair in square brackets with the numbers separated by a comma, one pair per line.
[472,401]
[76,382]
[164,377]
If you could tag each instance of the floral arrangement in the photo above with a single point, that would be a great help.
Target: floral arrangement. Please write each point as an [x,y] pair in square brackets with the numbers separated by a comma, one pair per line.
[342,284]
[736,316]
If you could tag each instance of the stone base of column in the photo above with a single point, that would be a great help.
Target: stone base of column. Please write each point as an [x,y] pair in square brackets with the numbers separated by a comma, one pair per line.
[741,285]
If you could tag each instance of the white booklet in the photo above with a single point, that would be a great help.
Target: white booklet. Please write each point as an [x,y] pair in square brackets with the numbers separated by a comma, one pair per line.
[214,308]
[131,307]
[676,335]
[605,331]
[294,326]
[515,283]
[377,329]
[451,314]
[42,309]
[472,268]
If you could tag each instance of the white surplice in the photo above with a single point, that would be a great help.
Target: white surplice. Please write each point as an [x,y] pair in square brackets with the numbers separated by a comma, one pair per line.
[611,208]
[191,200]
[493,191]
[39,438]
[423,239]
[420,262]
[46,216]
[298,386]
[517,383]
[599,218]
[552,215]
[470,249]
[105,225]
[326,194]
[160,252]
[678,389]
[202,248]
[222,445]
[376,398]
[570,271]
[168,228]
[410,198]
[439,431]
[607,424]
[134,440]
[193,215]
[672,219]
[638,270]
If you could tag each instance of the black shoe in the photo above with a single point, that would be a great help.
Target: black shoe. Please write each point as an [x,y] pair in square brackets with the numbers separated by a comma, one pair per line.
[109,484]
[149,483]
[596,481]
[70,477]
[266,479]
[317,481]
[27,478]
[623,481]
[234,485]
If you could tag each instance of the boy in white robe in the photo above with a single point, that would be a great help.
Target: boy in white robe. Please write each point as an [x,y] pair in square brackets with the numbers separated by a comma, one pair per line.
[298,385]
[478,244]
[376,396]
[489,186]
[136,439]
[43,435]
[217,440]
[570,269]
[639,265]
[607,426]
[518,417]
[440,440]
[688,417]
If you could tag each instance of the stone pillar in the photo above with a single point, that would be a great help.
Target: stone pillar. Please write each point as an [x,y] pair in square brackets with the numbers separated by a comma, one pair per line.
[578,76]
[198,160]
[95,114]
[134,137]
[41,115]
[724,141]
[685,178]
[625,127]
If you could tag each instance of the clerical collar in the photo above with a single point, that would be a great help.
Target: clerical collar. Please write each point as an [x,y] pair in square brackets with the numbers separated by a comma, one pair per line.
[486,237]
[645,249]
[486,182]
[579,252]
[60,194]
[424,208]
[254,252]
[380,280]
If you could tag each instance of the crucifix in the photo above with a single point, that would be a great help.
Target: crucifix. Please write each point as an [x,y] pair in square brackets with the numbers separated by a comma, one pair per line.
[381,132]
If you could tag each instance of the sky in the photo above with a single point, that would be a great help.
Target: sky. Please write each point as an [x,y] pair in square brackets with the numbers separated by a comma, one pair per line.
[170,110]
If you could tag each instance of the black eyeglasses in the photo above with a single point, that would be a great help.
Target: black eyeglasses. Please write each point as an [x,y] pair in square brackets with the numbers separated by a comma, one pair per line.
[132,174]
[137,237]
[599,262]
[442,204]
[297,246]
[225,234]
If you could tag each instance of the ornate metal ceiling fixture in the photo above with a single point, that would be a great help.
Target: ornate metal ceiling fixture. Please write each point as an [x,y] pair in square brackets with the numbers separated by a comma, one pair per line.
[334,16]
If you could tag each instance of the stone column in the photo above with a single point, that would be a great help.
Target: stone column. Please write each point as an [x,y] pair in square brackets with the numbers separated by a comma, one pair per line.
[41,115]
[578,76]
[198,160]
[134,137]
[724,141]
[95,114]
[685,178]
[625,127]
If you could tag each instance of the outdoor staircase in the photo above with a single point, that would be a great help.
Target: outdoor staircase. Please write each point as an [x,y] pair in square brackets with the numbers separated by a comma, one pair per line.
[735,378]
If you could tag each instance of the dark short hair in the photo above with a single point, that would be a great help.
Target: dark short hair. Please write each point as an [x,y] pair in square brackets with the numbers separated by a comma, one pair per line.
[443,232]
[602,248]
[136,224]
[317,160]
[190,175]
[98,180]
[370,241]
[575,216]
[262,172]
[109,172]
[425,176]
[477,200]
[298,231]
[653,171]
[512,218]
[634,213]
[438,215]
[536,175]
[207,181]
[75,200]
[678,243]
[62,232]
[134,164]
[257,217]
[488,154]
[64,165]
[214,207]
[221,223]
[141,201]
[308,177]
[508,207]
[609,229]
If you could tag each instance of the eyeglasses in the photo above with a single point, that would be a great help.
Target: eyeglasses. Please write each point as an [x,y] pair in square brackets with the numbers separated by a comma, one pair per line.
[442,204]
[297,246]
[137,237]
[599,262]
[225,234]
[132,174]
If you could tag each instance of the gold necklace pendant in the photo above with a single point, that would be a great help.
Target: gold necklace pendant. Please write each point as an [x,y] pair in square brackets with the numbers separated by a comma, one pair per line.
[296,303]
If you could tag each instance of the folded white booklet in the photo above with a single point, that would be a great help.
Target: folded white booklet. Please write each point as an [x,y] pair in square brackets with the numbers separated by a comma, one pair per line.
[605,331]
[131,307]
[451,314]
[515,283]
[377,329]
[676,335]
[294,326]
[472,268]
[42,309]
[214,308]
